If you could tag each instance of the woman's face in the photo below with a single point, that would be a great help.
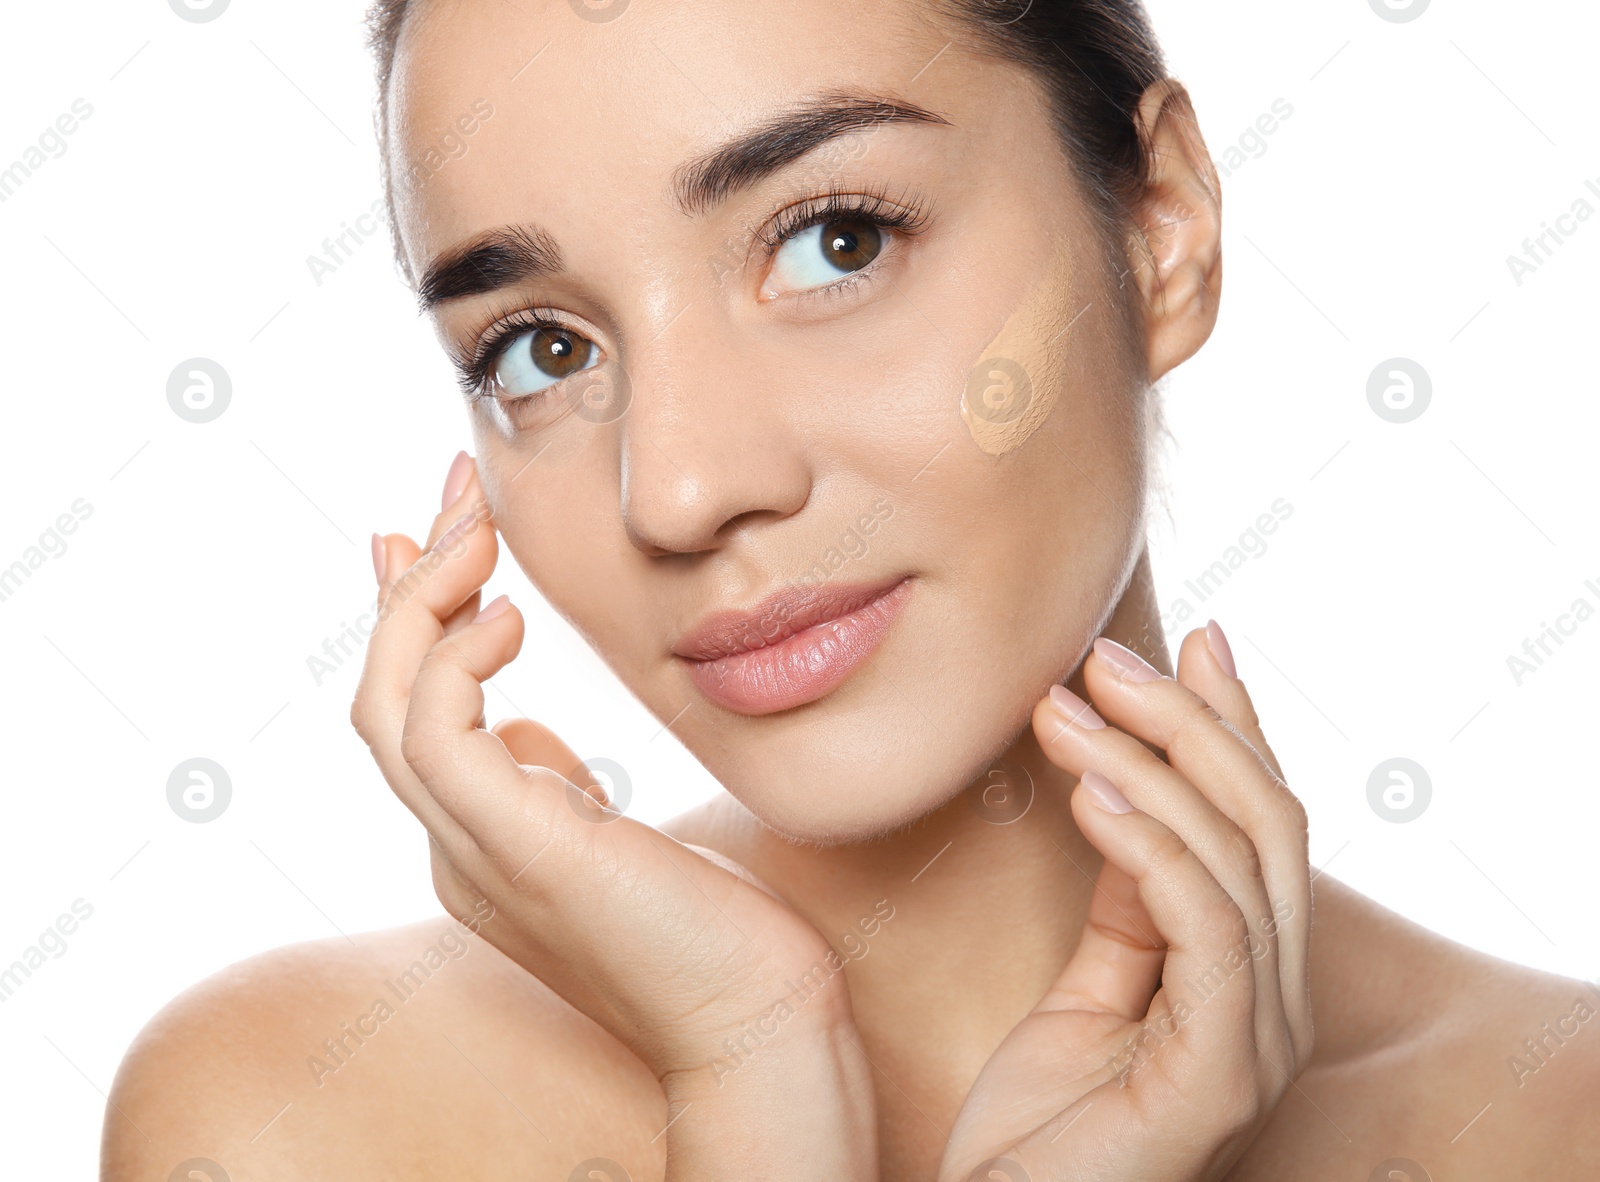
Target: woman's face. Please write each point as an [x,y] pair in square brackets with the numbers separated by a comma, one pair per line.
[723,417]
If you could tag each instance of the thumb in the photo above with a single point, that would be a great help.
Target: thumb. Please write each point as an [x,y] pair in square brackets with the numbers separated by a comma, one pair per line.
[1116,968]
[538,746]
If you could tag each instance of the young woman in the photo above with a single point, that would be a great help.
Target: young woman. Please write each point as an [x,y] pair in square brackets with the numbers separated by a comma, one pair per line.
[809,351]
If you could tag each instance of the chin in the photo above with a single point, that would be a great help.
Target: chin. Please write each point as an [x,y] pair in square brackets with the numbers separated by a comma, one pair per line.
[904,736]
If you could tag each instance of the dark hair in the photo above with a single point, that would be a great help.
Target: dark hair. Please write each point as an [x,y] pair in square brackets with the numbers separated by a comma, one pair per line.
[1096,58]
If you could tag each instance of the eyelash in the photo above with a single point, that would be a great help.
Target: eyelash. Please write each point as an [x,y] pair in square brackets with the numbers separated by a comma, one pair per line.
[908,215]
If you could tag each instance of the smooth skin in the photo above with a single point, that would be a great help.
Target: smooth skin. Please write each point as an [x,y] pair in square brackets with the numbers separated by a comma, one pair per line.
[672,953]
[1150,994]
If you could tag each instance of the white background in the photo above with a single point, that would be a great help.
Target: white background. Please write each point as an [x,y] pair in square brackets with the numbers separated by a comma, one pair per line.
[218,557]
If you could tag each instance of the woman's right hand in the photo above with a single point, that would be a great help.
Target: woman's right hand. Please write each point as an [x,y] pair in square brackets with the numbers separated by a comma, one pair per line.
[736,1003]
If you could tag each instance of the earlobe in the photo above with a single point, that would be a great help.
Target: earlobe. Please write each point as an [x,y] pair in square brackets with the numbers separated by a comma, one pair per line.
[1175,251]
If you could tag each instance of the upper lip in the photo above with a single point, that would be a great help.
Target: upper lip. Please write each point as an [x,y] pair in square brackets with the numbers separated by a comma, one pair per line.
[777,617]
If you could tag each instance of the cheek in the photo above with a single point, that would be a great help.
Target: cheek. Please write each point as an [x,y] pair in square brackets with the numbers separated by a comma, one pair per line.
[1042,510]
[1013,388]
[557,518]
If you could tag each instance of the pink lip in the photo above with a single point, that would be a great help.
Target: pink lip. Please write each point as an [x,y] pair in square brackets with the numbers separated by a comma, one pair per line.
[794,648]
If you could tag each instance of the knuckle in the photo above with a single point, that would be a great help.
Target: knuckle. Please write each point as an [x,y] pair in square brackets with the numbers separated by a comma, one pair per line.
[361,718]
[422,748]
[1306,1041]
[1247,714]
[1169,853]
[1226,924]
[1239,1105]
[1284,815]
[1195,729]
[1245,850]
[1298,820]
[447,886]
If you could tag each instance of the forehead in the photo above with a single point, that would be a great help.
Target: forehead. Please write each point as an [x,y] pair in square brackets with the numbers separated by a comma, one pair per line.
[551,108]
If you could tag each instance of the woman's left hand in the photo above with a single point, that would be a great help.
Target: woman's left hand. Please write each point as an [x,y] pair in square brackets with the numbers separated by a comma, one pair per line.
[1185,1013]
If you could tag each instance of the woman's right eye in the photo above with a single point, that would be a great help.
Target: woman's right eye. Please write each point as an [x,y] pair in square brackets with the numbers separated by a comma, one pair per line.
[538,359]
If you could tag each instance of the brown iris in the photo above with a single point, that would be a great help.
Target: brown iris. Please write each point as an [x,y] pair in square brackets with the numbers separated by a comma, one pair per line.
[851,245]
[557,353]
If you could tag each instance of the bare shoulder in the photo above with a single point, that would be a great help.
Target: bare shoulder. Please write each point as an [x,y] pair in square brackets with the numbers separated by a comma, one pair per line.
[1439,1062]
[418,1052]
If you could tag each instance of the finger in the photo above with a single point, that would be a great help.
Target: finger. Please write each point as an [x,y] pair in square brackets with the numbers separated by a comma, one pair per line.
[512,805]
[1116,967]
[414,607]
[403,553]
[397,553]
[534,745]
[1167,794]
[442,736]
[570,879]
[1217,757]
[1206,665]
[1200,743]
[1199,921]
[459,897]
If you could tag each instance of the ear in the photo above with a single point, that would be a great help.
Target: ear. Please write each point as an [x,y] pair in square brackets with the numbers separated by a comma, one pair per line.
[1175,257]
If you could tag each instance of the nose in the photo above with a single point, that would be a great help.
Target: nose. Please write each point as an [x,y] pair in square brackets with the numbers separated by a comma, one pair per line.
[707,445]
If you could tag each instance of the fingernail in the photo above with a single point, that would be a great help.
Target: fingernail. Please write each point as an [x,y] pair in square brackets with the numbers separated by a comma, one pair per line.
[495,608]
[380,556]
[1220,649]
[1104,793]
[1130,666]
[455,481]
[1075,708]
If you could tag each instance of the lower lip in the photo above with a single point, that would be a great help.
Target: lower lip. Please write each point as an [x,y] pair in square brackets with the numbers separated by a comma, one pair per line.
[804,667]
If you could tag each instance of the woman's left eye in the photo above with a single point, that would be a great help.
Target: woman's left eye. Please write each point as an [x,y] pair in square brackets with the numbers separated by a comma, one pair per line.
[823,253]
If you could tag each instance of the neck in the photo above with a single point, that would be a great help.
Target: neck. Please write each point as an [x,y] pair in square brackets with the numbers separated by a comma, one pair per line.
[953,927]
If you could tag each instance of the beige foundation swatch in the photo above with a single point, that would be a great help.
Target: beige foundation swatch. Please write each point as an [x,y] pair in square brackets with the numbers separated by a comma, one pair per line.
[1017,379]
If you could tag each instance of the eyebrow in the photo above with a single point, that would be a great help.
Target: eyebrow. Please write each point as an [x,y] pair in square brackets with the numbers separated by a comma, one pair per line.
[703,183]
[510,255]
